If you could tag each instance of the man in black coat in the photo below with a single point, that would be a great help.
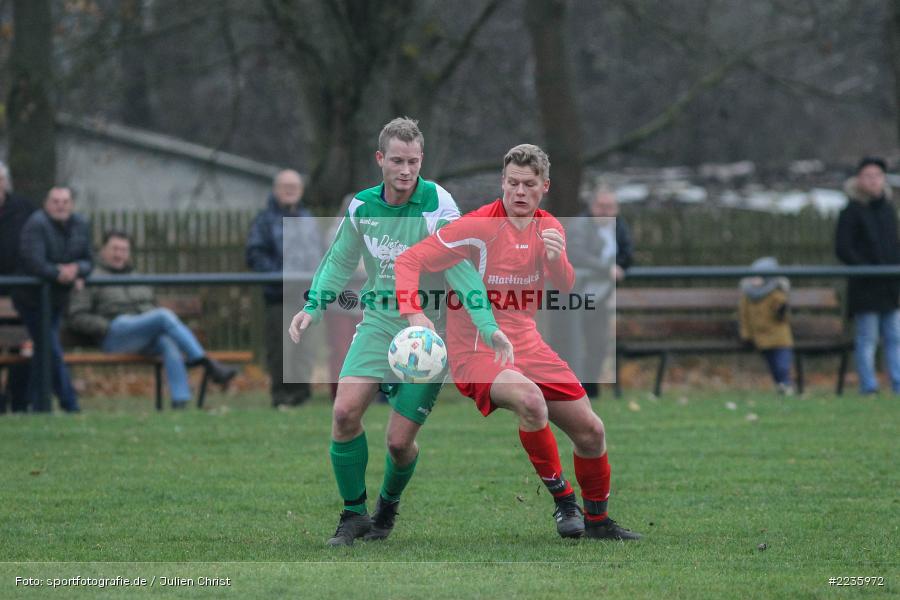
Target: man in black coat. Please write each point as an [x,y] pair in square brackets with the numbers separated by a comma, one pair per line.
[867,235]
[14,211]
[56,247]
[274,246]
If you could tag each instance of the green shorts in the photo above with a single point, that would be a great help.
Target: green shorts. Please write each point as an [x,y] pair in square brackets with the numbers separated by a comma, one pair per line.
[367,357]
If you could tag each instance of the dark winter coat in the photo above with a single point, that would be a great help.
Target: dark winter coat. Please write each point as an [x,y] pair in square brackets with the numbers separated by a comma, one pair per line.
[46,243]
[266,239]
[867,235]
[13,214]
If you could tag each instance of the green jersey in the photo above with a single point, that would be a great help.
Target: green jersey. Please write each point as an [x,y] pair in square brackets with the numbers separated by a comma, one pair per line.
[380,232]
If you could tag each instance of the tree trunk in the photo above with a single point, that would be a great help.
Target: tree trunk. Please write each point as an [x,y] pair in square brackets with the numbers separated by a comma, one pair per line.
[32,134]
[133,60]
[545,20]
[894,38]
[333,172]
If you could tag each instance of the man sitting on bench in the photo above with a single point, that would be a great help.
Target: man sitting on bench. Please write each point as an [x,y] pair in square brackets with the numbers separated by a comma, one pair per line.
[127,319]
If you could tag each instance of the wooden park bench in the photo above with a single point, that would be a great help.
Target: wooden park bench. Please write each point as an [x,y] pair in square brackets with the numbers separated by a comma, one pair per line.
[13,334]
[662,322]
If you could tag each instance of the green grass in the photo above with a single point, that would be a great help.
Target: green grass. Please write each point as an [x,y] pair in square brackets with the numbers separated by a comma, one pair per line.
[248,494]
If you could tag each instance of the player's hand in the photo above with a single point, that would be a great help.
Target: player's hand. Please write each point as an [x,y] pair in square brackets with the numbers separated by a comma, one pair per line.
[554,243]
[79,284]
[617,273]
[503,348]
[299,324]
[420,320]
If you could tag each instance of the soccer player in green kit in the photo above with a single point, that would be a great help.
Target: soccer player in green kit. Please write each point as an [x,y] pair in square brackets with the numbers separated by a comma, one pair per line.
[381,222]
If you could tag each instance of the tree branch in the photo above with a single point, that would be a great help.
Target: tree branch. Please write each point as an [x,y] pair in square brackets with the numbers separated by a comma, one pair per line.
[466,43]
[671,113]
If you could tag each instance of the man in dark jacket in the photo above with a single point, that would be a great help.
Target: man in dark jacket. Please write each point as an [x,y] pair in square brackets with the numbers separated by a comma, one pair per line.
[867,235]
[269,237]
[127,319]
[599,242]
[55,246]
[14,211]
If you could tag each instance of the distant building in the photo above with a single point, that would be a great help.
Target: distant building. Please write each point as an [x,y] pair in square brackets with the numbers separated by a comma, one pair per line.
[115,167]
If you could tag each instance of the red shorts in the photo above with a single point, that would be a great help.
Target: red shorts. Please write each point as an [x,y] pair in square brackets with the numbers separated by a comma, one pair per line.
[474,372]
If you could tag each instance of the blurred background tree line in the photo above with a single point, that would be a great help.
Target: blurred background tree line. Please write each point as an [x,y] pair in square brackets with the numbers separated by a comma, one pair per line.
[309,83]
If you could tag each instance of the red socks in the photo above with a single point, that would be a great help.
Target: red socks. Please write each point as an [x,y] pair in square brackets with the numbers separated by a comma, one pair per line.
[544,455]
[593,477]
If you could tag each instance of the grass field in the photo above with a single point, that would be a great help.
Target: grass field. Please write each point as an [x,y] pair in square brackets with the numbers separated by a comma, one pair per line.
[738,495]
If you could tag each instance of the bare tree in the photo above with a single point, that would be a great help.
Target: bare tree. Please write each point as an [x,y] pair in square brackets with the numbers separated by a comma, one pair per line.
[133,59]
[358,64]
[894,37]
[32,137]
[546,21]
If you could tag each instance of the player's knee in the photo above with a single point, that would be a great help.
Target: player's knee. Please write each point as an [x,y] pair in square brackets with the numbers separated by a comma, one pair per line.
[592,438]
[345,417]
[399,445]
[532,407]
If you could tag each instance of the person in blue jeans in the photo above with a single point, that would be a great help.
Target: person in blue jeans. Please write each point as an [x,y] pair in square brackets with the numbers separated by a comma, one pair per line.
[127,319]
[867,235]
[55,247]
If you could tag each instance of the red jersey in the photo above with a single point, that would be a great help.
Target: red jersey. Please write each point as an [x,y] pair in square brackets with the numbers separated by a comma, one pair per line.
[512,263]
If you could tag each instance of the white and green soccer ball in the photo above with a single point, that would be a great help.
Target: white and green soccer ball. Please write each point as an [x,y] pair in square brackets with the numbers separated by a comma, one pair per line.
[417,355]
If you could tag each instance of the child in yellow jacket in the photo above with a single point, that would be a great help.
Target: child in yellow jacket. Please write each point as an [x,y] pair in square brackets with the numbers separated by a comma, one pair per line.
[764,321]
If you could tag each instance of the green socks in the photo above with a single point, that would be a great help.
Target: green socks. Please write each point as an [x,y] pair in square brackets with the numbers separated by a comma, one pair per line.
[349,460]
[396,478]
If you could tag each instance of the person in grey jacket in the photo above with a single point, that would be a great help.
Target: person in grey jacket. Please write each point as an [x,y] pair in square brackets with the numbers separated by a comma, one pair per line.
[127,319]
[276,246]
[54,246]
[600,243]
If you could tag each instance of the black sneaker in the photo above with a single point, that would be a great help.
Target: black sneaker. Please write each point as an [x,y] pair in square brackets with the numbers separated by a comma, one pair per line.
[608,529]
[351,526]
[382,519]
[569,518]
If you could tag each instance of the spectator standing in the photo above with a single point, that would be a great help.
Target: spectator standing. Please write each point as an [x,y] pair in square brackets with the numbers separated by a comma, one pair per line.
[867,235]
[765,323]
[55,246]
[600,242]
[127,319]
[265,253]
[14,211]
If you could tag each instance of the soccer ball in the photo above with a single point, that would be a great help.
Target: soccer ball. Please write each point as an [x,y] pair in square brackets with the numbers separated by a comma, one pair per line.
[417,355]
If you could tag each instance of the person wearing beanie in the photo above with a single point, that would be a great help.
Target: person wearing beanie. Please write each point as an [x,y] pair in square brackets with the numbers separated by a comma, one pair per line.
[867,235]
[765,323]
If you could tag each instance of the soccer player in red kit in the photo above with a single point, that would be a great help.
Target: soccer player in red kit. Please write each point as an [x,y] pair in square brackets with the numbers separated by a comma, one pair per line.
[516,247]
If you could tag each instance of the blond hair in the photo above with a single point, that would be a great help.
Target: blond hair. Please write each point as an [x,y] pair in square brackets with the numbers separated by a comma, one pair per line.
[403,129]
[528,155]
